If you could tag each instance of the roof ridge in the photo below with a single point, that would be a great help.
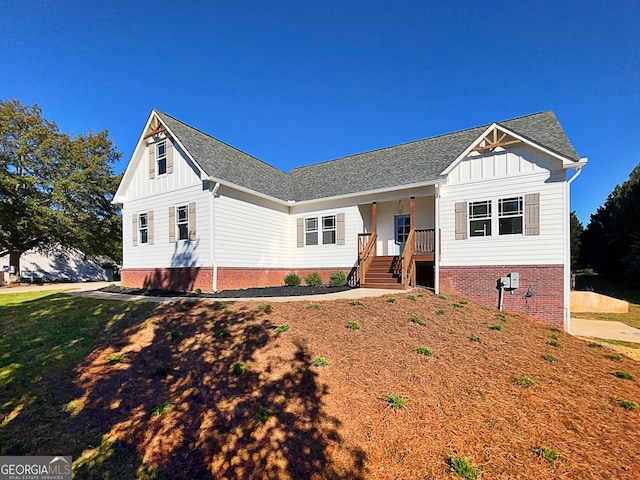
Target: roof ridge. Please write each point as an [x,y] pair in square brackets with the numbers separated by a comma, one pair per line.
[218,140]
[419,140]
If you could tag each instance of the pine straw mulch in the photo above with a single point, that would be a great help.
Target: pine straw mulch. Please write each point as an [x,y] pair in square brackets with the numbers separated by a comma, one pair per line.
[175,406]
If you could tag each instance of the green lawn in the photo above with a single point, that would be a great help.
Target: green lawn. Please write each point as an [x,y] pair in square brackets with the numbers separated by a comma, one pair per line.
[44,337]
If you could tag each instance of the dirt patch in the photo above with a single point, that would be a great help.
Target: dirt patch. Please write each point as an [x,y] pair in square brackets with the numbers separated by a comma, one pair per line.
[172,406]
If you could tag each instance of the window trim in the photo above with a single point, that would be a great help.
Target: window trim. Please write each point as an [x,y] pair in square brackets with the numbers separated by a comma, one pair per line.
[184,222]
[496,206]
[308,231]
[143,230]
[161,157]
[333,229]
[480,218]
[519,214]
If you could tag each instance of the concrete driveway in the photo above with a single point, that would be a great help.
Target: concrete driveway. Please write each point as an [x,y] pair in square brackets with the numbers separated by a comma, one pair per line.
[78,287]
[604,329]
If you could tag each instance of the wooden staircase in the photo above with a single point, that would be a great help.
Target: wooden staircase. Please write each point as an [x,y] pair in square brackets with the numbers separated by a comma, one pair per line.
[384,272]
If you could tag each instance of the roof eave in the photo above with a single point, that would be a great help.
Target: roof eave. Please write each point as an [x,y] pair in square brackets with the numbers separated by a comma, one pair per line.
[437,181]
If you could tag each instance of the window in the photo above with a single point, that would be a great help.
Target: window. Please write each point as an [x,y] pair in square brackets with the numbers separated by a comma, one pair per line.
[328,229]
[480,219]
[403,227]
[510,216]
[161,157]
[182,221]
[311,231]
[143,228]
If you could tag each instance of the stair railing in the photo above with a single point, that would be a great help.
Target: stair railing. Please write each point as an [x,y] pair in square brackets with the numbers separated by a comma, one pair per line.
[367,251]
[407,258]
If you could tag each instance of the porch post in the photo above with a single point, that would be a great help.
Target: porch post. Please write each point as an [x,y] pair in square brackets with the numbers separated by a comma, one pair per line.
[374,217]
[412,214]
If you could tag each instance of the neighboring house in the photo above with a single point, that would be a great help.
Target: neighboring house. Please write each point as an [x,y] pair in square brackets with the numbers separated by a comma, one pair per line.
[61,265]
[455,212]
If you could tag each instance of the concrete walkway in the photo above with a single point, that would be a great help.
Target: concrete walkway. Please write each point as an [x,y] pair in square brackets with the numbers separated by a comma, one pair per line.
[604,329]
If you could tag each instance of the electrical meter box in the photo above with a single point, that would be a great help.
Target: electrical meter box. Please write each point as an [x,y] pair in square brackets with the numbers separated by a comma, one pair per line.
[515,280]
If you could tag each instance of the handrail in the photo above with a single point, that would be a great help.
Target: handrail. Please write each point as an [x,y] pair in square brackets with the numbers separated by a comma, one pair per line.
[366,253]
[407,257]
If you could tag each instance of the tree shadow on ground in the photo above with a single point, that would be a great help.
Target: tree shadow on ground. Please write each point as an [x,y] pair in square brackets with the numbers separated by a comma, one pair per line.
[162,401]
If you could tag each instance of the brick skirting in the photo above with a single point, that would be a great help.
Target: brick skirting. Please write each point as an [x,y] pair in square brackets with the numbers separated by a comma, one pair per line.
[229,278]
[478,283]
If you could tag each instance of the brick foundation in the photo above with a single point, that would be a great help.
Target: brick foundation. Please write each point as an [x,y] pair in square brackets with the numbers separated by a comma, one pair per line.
[181,279]
[478,283]
[229,278]
[232,278]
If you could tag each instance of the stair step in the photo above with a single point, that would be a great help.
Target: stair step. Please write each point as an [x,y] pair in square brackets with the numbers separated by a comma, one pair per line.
[394,286]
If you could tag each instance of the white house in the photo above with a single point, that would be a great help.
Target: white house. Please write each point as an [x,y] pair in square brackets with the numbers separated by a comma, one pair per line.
[456,212]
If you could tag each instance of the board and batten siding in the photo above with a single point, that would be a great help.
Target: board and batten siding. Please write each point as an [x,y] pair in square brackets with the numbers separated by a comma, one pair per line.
[331,255]
[250,231]
[516,172]
[184,174]
[163,253]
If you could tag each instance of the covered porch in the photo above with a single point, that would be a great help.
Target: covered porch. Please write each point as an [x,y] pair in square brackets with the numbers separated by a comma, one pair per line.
[398,248]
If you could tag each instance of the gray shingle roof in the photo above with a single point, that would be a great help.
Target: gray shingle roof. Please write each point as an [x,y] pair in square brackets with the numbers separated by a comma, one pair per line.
[408,163]
[225,162]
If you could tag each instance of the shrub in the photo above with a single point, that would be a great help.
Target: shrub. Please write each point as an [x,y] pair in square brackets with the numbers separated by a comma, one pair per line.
[292,280]
[613,356]
[523,382]
[440,311]
[314,306]
[623,375]
[496,326]
[549,358]
[160,409]
[502,317]
[353,326]
[171,334]
[423,351]
[463,468]
[224,333]
[283,327]
[555,343]
[198,291]
[547,453]
[261,416]
[238,368]
[337,278]
[391,300]
[475,338]
[626,404]
[395,401]
[115,358]
[442,297]
[412,297]
[458,305]
[418,320]
[220,305]
[320,362]
[313,279]
[356,303]
[264,307]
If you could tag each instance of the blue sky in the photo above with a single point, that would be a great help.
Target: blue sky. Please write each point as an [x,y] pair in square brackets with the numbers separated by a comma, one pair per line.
[299,82]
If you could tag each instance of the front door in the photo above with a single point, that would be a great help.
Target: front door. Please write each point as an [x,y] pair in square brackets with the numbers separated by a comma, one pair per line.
[402,229]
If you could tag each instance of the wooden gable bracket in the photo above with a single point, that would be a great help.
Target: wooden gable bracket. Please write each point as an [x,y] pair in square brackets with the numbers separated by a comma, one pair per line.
[155,127]
[494,139]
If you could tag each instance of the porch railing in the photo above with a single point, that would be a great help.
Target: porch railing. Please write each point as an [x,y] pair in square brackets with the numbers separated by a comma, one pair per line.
[367,251]
[425,241]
